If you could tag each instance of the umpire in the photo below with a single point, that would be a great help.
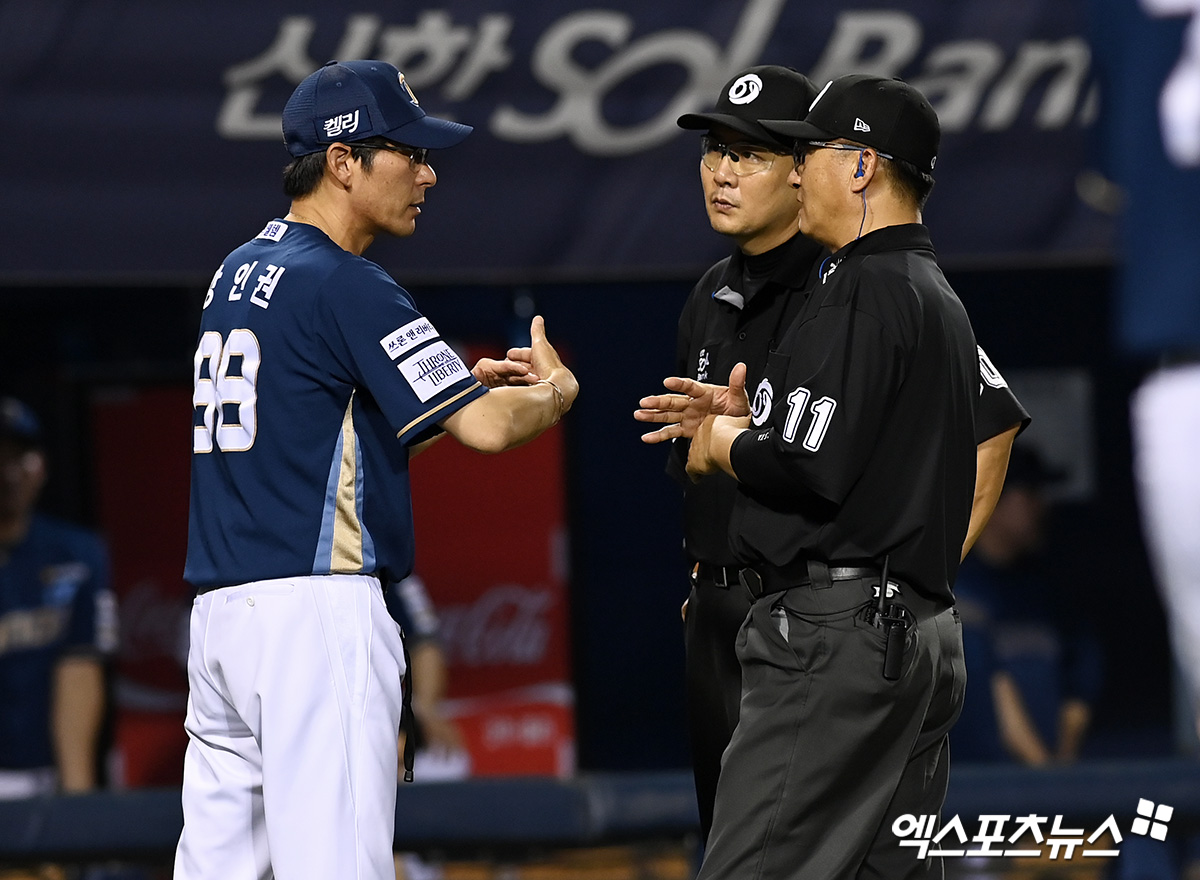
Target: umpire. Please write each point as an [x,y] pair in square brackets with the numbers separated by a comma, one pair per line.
[856,471]
[737,313]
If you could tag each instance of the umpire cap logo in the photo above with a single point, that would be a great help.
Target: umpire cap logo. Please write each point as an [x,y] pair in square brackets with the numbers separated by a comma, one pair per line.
[745,89]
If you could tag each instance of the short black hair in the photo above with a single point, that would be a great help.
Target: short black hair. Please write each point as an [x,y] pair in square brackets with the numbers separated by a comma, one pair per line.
[912,182]
[302,175]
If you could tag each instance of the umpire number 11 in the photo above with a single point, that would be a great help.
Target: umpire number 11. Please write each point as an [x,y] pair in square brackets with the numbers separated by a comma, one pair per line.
[224,376]
[822,412]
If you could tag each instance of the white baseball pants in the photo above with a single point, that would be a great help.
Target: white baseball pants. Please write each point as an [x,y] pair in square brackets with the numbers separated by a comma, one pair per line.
[293,718]
[1166,433]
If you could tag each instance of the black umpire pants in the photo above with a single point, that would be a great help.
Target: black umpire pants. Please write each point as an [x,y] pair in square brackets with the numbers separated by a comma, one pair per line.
[714,681]
[827,753]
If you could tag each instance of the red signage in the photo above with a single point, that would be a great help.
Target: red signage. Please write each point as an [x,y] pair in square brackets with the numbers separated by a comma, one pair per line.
[492,550]
[142,461]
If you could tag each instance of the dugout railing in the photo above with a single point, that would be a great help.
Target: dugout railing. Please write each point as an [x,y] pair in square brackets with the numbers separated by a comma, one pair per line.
[508,816]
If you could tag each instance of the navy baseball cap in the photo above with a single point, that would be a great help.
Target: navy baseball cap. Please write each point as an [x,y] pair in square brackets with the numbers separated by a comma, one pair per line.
[18,422]
[887,114]
[766,92]
[349,101]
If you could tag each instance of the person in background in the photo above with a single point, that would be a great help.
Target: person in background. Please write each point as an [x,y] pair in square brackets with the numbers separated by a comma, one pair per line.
[1033,659]
[440,753]
[439,743]
[57,627]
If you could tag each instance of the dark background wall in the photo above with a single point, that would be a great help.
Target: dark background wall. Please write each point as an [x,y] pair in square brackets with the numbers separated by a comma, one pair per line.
[58,345]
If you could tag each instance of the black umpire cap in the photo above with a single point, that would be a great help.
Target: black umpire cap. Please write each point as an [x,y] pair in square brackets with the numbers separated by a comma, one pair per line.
[887,114]
[766,92]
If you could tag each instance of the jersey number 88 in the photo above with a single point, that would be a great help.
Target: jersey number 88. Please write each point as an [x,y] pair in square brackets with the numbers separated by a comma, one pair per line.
[226,387]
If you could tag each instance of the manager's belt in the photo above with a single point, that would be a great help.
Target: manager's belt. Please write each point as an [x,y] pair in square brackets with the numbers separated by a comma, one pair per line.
[760,582]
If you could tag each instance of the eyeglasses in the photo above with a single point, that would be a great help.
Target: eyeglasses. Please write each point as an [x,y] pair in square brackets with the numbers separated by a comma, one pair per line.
[416,155]
[802,148]
[746,159]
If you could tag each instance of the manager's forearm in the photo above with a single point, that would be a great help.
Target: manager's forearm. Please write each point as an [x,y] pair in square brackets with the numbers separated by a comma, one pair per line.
[510,416]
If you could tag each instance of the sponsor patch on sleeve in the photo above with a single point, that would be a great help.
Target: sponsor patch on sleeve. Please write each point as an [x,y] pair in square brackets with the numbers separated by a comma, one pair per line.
[411,334]
[433,369]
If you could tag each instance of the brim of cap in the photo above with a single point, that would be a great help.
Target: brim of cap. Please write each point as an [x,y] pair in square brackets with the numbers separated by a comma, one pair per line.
[430,132]
[705,121]
[794,128]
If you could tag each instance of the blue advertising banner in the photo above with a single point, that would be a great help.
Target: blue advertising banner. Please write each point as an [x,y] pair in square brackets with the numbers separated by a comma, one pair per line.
[144,137]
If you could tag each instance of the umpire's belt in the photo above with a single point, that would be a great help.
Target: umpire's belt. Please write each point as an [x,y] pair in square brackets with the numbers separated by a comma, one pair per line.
[723,576]
[761,581]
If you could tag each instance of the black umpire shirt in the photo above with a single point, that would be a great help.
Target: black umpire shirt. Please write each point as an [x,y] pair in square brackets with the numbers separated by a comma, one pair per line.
[736,313]
[863,429]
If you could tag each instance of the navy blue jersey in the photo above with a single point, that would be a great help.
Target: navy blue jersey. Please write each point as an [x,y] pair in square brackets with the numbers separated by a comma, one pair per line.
[54,600]
[314,371]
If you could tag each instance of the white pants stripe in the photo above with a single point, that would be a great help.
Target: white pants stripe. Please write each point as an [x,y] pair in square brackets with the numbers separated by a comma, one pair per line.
[293,716]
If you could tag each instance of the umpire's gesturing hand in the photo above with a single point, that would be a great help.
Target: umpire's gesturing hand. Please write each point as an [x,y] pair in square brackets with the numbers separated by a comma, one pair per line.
[725,400]
[710,416]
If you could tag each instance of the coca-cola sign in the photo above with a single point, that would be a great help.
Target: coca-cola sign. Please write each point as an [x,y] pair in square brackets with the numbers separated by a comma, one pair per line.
[501,596]
[508,624]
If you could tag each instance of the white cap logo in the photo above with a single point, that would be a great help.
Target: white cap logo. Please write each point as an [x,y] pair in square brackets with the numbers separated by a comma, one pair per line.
[404,85]
[820,95]
[345,123]
[859,125]
[745,89]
